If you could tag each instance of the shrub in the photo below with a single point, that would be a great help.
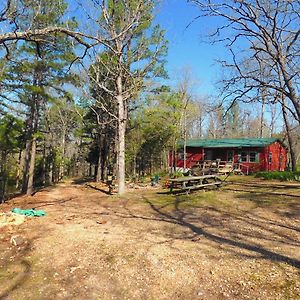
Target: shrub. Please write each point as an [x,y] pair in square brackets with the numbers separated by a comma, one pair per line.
[279,175]
[176,174]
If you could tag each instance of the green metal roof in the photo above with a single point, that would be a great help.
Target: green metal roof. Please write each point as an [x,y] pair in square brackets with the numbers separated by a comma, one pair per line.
[229,143]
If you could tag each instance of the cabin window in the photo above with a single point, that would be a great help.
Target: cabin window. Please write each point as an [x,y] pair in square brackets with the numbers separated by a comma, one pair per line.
[253,156]
[270,157]
[244,156]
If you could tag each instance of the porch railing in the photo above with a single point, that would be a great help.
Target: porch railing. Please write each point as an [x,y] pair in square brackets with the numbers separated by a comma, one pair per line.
[218,166]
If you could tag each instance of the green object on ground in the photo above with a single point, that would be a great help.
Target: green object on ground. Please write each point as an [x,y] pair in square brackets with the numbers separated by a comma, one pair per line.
[29,212]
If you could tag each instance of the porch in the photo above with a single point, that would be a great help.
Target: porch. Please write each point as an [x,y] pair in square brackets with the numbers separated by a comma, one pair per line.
[221,167]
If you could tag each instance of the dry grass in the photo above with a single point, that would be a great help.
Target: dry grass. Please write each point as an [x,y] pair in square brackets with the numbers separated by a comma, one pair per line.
[224,244]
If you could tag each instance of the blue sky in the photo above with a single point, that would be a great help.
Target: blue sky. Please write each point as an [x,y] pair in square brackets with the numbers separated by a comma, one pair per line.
[186,48]
[186,45]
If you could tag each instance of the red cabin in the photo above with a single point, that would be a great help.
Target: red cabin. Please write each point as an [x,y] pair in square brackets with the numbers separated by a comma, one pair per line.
[253,154]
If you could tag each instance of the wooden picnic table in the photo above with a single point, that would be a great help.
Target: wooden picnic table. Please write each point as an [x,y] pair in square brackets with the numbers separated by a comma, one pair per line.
[188,183]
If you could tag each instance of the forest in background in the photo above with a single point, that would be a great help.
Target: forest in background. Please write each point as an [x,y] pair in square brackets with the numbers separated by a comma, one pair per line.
[97,101]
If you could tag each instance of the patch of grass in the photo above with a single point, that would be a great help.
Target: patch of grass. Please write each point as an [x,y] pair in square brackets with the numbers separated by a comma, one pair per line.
[202,198]
[279,175]
[240,178]
[169,201]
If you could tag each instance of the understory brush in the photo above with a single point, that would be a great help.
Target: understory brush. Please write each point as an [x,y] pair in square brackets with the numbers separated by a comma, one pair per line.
[279,175]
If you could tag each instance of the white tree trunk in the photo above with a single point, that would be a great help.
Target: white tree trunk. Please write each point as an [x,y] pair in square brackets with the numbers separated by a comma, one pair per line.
[63,150]
[121,153]
[121,138]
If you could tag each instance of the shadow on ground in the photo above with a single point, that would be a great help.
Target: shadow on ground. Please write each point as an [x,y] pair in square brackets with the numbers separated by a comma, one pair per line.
[82,180]
[246,235]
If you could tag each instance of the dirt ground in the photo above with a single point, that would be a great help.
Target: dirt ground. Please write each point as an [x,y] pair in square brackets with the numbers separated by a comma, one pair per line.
[239,242]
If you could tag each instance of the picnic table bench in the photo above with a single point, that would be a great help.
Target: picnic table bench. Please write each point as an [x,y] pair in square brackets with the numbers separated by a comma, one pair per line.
[194,182]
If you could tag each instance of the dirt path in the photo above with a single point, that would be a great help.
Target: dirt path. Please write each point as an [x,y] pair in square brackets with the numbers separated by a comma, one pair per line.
[145,246]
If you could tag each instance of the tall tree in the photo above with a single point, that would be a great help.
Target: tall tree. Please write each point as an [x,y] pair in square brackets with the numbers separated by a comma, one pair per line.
[102,113]
[135,54]
[38,75]
[185,85]
[61,126]
[263,38]
[10,143]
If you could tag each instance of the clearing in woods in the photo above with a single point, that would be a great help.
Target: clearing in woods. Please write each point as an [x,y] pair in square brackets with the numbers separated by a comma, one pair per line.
[240,242]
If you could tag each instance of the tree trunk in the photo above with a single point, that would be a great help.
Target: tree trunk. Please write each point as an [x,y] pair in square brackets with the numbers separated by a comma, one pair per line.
[122,117]
[63,150]
[185,138]
[4,176]
[31,167]
[26,166]
[121,150]
[290,138]
[99,168]
[262,116]
[19,168]
[50,170]
[104,171]
[273,120]
[44,170]
[116,154]
[134,166]
[200,126]
[292,95]
[32,127]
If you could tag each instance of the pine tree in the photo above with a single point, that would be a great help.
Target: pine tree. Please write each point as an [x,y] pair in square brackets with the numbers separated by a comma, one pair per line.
[38,75]
[10,142]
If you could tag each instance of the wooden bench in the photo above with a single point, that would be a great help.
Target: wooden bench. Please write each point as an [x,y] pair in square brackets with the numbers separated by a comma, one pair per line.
[225,168]
[194,182]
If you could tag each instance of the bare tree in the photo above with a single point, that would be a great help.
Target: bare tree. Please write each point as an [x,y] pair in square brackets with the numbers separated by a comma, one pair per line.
[265,32]
[103,111]
[185,85]
[134,55]
[199,121]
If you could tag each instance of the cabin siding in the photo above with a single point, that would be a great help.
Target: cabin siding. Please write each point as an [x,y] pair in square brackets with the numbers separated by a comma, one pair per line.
[270,158]
[279,158]
[193,155]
